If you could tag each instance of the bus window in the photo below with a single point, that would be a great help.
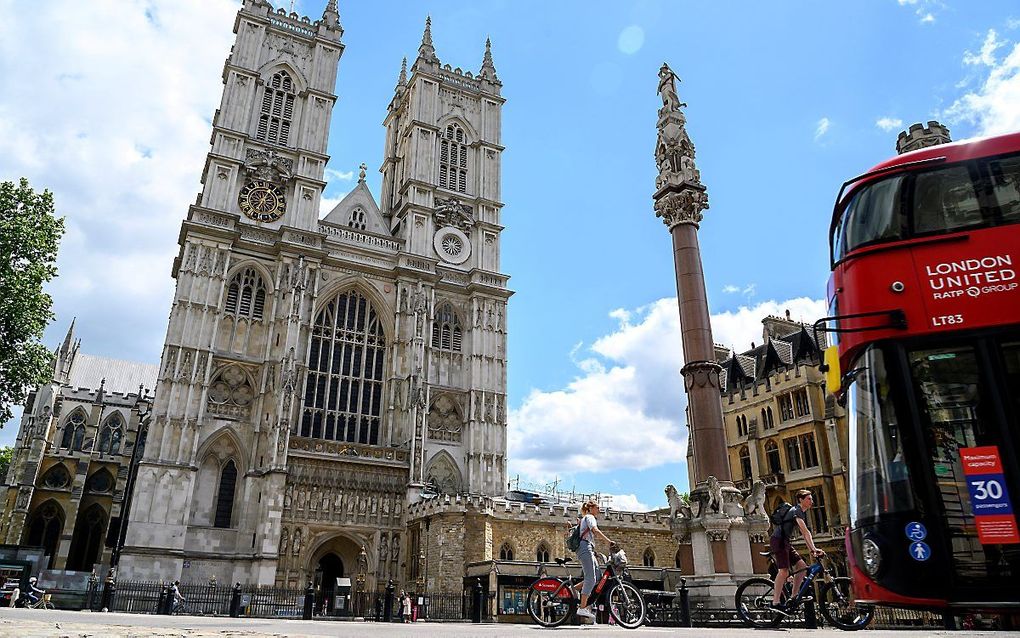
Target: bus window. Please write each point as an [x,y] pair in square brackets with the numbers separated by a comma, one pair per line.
[945,200]
[872,215]
[880,480]
[1006,186]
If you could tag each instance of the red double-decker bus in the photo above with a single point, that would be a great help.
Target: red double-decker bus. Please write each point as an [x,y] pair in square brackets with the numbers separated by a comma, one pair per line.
[925,316]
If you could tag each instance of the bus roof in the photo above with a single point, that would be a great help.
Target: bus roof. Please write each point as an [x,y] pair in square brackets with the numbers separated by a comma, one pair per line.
[953,152]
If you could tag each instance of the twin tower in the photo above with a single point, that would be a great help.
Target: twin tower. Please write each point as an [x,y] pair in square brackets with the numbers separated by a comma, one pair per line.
[320,375]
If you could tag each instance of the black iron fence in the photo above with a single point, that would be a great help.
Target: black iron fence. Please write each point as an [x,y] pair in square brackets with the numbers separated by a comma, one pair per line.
[665,609]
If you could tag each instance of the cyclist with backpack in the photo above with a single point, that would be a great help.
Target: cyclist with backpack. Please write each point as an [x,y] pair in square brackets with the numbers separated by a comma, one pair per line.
[788,518]
[587,529]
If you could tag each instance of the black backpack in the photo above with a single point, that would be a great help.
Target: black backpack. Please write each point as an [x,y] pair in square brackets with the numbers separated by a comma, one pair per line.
[778,517]
[574,538]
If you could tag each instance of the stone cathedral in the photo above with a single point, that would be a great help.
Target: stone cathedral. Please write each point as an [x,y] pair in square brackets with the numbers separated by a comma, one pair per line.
[320,375]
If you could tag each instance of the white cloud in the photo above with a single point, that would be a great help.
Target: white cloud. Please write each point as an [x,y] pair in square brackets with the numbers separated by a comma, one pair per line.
[986,56]
[112,115]
[822,128]
[329,203]
[343,176]
[904,3]
[625,409]
[625,502]
[924,9]
[729,289]
[927,18]
[631,39]
[993,106]
[889,123]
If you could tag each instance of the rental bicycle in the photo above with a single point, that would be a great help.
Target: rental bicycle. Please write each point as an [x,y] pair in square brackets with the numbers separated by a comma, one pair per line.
[754,597]
[553,601]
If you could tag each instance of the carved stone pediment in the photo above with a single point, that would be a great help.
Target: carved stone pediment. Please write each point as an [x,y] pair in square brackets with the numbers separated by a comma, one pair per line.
[268,165]
[450,212]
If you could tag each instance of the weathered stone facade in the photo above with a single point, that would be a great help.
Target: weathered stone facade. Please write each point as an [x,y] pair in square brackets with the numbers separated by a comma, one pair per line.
[67,482]
[320,374]
[781,429]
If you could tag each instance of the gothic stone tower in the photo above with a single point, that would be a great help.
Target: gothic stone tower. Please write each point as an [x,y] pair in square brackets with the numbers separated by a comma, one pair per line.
[318,372]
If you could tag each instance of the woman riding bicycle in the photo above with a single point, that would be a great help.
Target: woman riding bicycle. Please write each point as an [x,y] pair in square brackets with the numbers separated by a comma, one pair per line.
[586,553]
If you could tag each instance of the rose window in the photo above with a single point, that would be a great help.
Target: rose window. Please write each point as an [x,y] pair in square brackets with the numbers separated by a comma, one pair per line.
[452,245]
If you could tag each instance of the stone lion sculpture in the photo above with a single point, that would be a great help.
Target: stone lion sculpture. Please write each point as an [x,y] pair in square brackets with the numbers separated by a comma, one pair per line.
[677,507]
[754,504]
[715,495]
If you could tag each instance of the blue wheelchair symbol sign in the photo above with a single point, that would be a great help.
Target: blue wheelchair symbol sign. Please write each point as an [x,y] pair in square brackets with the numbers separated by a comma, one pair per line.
[920,551]
[916,531]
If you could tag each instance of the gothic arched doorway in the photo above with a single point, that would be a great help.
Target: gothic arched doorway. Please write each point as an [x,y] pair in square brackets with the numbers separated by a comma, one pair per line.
[86,543]
[330,568]
[44,529]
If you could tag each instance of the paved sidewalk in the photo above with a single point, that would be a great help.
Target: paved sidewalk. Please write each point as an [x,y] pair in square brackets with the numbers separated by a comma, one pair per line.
[28,623]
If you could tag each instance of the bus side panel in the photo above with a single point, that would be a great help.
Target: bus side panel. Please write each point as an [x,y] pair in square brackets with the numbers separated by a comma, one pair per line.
[971,283]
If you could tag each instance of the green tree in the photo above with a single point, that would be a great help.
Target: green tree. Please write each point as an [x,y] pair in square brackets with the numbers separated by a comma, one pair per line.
[29,235]
[6,454]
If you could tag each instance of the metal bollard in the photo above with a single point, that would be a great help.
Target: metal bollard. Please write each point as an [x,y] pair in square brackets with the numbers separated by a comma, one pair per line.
[477,616]
[109,588]
[388,606]
[235,601]
[309,602]
[948,621]
[810,619]
[685,604]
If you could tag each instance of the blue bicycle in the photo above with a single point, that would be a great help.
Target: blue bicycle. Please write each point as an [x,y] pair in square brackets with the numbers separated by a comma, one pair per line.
[754,598]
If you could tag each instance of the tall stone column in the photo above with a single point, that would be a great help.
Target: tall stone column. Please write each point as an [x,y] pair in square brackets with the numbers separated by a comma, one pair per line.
[679,199]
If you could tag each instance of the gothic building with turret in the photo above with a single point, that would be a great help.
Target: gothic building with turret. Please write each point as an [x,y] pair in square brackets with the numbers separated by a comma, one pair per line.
[320,374]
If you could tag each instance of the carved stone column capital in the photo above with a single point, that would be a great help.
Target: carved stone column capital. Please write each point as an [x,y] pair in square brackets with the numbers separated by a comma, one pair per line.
[701,373]
[717,529]
[682,207]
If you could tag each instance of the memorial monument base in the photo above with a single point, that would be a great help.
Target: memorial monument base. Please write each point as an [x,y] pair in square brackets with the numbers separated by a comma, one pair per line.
[725,533]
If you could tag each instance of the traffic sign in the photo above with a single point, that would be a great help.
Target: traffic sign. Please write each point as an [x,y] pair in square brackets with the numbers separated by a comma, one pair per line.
[920,551]
[916,531]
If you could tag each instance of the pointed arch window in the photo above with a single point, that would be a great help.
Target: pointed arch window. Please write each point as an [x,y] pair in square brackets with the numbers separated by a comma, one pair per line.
[74,431]
[56,478]
[358,221]
[446,330]
[101,482]
[87,541]
[772,457]
[506,552]
[277,110]
[745,462]
[225,495]
[344,387]
[246,295]
[45,527]
[453,159]
[771,419]
[542,553]
[110,435]
[648,558]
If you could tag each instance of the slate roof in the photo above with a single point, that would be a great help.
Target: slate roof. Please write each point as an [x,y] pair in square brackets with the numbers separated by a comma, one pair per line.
[88,371]
[777,353]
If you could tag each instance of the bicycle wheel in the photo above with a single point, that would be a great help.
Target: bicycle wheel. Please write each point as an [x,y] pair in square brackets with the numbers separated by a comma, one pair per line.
[550,608]
[627,606]
[752,601]
[48,605]
[839,608]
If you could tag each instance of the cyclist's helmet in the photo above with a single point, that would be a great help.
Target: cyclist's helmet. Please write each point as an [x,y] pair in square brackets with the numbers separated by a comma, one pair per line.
[32,579]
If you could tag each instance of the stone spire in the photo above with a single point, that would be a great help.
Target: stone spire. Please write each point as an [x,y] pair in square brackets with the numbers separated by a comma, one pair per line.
[488,68]
[402,79]
[674,156]
[920,136]
[427,52]
[331,15]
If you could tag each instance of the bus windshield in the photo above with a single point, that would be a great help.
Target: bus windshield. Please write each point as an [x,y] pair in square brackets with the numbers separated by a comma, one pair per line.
[945,199]
[880,480]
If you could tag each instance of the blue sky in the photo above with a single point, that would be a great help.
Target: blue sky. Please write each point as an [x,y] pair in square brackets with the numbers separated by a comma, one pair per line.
[108,104]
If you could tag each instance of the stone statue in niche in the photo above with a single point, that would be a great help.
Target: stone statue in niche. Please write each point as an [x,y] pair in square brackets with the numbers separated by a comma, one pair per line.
[297,542]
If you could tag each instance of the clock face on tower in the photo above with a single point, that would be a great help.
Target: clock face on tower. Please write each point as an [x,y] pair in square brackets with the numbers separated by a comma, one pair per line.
[262,201]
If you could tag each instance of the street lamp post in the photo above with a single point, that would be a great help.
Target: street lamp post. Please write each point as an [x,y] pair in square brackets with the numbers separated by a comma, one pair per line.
[144,417]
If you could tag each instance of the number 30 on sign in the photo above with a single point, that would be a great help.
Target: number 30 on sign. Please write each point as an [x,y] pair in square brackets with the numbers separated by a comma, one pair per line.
[989,498]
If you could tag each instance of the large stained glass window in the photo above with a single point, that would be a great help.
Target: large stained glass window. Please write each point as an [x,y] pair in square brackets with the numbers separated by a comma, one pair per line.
[343,394]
